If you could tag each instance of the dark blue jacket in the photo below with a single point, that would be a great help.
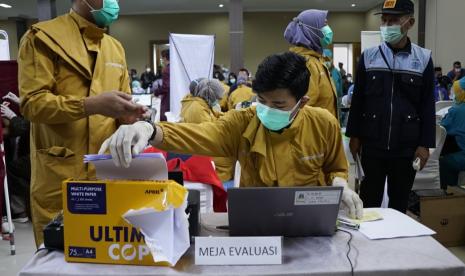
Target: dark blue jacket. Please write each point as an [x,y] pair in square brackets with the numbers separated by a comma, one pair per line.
[393,108]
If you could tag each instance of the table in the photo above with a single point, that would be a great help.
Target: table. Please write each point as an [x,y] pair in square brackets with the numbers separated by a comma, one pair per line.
[301,256]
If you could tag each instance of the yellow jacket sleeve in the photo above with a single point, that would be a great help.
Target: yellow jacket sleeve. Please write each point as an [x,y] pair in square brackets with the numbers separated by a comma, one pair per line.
[220,138]
[39,102]
[314,84]
[335,163]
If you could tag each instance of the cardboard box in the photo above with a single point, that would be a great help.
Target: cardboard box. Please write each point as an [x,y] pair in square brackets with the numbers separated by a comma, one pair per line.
[95,231]
[446,216]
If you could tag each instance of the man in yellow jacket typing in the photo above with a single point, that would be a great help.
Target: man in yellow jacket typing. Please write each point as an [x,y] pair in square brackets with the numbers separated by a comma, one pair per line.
[74,88]
[280,142]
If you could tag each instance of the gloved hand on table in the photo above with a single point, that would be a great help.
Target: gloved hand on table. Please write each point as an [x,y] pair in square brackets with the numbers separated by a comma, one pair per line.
[351,202]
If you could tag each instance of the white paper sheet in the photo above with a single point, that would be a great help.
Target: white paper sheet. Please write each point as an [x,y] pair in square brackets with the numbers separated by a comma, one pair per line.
[166,233]
[394,225]
[147,166]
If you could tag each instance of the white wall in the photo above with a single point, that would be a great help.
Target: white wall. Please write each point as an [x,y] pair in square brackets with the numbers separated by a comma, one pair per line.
[445,34]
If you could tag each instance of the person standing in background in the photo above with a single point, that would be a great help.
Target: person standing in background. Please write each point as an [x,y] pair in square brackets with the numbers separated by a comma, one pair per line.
[457,72]
[147,78]
[392,114]
[441,85]
[242,93]
[164,91]
[74,89]
[309,34]
[341,69]
[232,79]
[18,162]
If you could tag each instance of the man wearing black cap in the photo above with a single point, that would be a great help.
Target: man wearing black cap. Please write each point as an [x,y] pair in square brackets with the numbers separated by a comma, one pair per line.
[392,121]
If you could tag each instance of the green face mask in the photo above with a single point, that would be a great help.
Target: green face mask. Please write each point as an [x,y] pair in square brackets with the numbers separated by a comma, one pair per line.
[391,34]
[327,38]
[275,119]
[107,14]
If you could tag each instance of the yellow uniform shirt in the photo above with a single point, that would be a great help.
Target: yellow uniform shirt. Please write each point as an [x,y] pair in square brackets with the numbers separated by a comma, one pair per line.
[310,146]
[61,62]
[242,93]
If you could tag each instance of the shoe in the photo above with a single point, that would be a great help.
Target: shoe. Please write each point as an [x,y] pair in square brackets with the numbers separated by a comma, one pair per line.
[6,226]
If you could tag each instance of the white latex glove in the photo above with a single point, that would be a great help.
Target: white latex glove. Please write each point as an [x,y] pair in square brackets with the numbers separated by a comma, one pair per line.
[12,97]
[7,112]
[136,136]
[351,202]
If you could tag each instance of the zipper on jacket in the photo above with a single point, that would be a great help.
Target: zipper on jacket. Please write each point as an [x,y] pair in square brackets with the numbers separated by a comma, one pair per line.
[392,96]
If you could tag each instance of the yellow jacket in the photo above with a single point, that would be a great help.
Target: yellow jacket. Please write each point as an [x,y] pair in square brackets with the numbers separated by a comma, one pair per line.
[295,157]
[61,62]
[321,89]
[195,110]
[242,93]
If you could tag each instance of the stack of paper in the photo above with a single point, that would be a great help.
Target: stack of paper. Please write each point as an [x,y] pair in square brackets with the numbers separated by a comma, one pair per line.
[145,166]
[393,225]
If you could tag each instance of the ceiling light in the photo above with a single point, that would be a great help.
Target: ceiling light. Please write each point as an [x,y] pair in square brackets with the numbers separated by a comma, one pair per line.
[353,5]
[220,5]
[6,6]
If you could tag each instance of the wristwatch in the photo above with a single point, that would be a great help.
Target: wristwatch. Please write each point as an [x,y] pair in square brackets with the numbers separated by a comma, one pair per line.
[154,133]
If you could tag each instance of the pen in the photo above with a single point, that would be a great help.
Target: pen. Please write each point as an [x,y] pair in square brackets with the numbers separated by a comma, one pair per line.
[347,224]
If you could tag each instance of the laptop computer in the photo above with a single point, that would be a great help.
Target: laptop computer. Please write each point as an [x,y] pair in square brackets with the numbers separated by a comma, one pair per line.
[279,211]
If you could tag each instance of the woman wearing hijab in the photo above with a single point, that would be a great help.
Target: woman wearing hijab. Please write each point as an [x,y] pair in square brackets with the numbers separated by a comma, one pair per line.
[198,107]
[309,34]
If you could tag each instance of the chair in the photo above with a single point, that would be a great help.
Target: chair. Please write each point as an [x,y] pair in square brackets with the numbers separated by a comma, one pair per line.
[171,117]
[428,178]
[442,104]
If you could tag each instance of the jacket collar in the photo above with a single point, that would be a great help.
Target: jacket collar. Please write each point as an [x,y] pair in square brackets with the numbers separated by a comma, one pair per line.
[305,52]
[407,48]
[70,36]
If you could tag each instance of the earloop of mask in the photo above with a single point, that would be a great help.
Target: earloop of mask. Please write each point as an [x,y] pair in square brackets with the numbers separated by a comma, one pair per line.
[312,29]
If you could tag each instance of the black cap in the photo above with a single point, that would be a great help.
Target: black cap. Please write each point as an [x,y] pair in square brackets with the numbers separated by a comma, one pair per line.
[398,7]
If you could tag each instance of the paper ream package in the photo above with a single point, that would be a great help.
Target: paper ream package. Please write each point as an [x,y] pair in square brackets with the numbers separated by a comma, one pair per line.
[95,230]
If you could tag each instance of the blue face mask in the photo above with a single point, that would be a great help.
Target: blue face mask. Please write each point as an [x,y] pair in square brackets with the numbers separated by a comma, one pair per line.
[107,14]
[327,38]
[275,119]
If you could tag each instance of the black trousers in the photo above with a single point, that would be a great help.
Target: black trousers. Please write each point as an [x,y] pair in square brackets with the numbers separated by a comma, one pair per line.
[400,176]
